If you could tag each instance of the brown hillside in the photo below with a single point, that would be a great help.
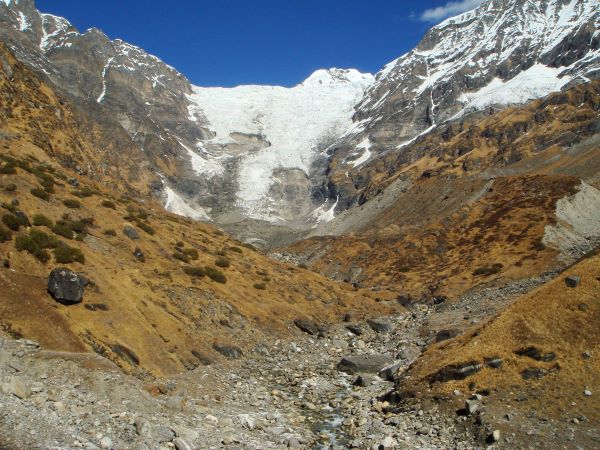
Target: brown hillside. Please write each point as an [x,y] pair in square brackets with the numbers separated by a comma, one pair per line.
[561,325]
[161,312]
[469,203]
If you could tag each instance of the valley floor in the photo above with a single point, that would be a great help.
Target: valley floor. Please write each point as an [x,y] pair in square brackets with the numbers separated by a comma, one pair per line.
[285,394]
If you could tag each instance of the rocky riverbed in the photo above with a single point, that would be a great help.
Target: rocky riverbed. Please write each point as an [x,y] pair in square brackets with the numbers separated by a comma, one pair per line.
[324,390]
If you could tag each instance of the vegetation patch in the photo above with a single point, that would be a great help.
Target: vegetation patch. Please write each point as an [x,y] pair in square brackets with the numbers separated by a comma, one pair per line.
[260,286]
[215,274]
[194,271]
[72,203]
[14,222]
[110,232]
[40,220]
[11,187]
[488,270]
[147,228]
[5,234]
[65,254]
[108,204]
[36,243]
[40,193]
[222,262]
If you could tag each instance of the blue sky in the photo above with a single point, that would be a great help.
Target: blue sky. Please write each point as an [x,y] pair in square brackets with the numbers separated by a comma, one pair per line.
[232,42]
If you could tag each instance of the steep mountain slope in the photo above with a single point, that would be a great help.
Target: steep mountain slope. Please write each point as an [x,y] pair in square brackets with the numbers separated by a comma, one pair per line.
[283,160]
[164,292]
[474,202]
[504,52]
[542,385]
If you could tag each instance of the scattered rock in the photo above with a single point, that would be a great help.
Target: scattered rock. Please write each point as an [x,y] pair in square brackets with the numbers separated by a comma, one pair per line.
[363,364]
[456,372]
[355,329]
[182,444]
[471,406]
[533,373]
[106,443]
[494,437]
[139,254]
[494,363]
[587,393]
[131,232]
[16,387]
[444,335]
[65,286]
[388,372]
[537,354]
[228,351]
[308,326]
[572,281]
[380,325]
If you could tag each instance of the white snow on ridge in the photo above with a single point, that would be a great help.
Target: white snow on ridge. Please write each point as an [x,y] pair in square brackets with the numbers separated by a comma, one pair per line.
[535,82]
[321,214]
[203,166]
[295,121]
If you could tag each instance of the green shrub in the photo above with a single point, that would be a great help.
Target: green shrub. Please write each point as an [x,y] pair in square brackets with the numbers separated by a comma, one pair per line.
[181,257]
[221,253]
[64,254]
[40,193]
[110,232]
[12,222]
[39,220]
[191,253]
[11,187]
[215,274]
[236,249]
[72,203]
[194,271]
[84,192]
[5,234]
[62,229]
[488,270]
[260,286]
[142,214]
[108,204]
[147,228]
[8,170]
[36,243]
[303,266]
[222,262]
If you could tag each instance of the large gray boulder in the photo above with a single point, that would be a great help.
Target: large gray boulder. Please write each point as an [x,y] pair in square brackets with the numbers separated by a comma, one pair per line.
[66,287]
[364,364]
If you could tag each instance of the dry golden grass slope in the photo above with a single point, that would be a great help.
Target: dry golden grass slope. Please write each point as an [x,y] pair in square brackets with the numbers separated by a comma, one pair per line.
[152,314]
[473,202]
[563,324]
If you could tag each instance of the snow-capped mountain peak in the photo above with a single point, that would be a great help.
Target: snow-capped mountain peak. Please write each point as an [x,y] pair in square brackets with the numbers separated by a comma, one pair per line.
[337,76]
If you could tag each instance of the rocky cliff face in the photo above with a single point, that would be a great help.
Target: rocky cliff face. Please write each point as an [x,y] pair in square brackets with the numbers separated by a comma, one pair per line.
[504,52]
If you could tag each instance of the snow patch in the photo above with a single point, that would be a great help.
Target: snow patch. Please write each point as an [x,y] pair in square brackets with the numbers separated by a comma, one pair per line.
[104,71]
[535,82]
[177,205]
[366,146]
[209,165]
[323,214]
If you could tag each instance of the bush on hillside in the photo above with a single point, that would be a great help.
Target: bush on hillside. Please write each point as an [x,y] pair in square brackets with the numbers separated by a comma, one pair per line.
[5,234]
[222,262]
[108,204]
[40,220]
[64,254]
[36,243]
[72,203]
[40,193]
[194,271]
[215,275]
